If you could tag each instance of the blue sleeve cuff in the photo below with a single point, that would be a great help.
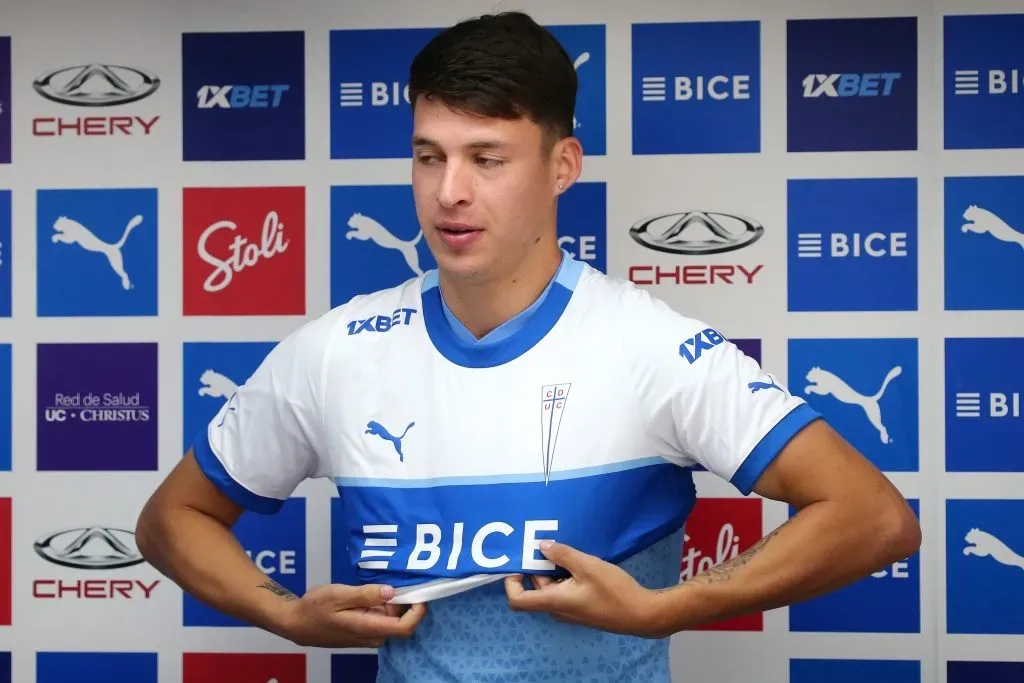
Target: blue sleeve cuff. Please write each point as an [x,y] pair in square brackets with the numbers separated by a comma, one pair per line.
[770,446]
[214,470]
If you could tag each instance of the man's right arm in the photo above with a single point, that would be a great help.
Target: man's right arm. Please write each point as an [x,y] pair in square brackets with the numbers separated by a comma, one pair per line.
[263,442]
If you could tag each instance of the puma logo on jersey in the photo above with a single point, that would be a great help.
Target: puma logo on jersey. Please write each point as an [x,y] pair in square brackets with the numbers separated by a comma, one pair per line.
[981,221]
[758,386]
[824,383]
[377,429]
[367,229]
[984,544]
[68,231]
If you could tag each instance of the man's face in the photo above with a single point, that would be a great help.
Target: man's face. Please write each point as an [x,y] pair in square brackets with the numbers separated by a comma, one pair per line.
[483,189]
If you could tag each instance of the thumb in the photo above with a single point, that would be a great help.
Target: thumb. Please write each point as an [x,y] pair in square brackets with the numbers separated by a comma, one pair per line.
[565,556]
[371,595]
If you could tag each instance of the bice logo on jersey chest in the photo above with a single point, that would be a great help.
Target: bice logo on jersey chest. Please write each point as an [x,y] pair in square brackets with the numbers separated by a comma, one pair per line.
[718,530]
[245,251]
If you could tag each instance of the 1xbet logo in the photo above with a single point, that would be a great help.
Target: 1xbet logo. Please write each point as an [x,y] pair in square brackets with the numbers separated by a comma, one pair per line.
[243,96]
[983,81]
[860,75]
[705,340]
[852,244]
[697,87]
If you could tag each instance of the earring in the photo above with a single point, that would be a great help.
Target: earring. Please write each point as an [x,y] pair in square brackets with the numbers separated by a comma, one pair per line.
[560,186]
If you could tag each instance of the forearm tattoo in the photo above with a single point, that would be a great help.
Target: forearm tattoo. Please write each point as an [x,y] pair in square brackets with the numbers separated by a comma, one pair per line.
[725,570]
[278,590]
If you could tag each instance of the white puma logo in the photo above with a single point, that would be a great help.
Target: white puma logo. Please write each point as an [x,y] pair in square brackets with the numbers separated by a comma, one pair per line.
[984,544]
[365,228]
[216,385]
[580,61]
[69,231]
[981,221]
[823,383]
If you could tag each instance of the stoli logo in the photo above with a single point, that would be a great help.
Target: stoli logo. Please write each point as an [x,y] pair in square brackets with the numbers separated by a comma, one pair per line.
[244,251]
[718,530]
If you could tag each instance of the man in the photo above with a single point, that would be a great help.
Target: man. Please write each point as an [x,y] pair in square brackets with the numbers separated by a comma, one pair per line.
[512,397]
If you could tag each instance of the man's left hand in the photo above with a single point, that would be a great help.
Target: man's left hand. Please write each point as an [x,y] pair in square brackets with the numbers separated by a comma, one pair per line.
[597,594]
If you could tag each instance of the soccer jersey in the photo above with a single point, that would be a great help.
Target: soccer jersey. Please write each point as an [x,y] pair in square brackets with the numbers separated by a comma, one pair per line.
[580,420]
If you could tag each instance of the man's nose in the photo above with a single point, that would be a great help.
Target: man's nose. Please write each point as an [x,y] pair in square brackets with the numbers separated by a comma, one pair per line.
[456,184]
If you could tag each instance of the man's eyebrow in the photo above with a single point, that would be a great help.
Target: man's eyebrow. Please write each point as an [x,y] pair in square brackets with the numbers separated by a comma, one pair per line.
[420,141]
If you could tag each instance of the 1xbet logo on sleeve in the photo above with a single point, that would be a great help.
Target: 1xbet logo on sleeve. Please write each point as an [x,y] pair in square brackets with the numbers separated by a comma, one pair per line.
[983,81]
[860,75]
[243,96]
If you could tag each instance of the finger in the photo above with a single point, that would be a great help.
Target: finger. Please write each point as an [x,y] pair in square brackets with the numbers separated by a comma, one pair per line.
[412,618]
[514,586]
[372,595]
[539,582]
[576,561]
[395,610]
[554,598]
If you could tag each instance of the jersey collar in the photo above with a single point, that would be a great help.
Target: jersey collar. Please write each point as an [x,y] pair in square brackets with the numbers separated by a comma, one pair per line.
[512,338]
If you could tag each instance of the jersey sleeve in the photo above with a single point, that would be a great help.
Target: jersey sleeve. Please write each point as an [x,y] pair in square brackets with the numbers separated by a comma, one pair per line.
[268,437]
[708,402]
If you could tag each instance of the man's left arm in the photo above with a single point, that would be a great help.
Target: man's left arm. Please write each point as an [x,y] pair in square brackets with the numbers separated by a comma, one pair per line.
[850,522]
[711,404]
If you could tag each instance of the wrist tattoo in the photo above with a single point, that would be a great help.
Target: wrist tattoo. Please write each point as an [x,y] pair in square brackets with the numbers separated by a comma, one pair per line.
[278,590]
[725,570]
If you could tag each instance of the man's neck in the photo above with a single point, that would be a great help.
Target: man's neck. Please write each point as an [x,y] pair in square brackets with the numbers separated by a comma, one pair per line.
[484,306]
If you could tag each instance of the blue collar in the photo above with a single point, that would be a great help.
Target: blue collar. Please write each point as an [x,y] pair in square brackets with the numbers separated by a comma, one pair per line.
[509,340]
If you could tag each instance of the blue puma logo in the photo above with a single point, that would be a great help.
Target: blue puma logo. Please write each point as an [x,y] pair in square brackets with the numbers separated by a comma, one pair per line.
[757,386]
[377,429]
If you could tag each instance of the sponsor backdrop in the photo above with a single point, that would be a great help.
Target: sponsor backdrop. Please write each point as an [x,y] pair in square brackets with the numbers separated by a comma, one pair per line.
[837,186]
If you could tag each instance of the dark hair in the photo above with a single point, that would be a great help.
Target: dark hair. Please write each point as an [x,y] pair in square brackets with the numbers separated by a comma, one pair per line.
[501,65]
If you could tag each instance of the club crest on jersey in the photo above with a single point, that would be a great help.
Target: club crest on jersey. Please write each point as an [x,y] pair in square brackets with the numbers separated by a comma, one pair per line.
[553,398]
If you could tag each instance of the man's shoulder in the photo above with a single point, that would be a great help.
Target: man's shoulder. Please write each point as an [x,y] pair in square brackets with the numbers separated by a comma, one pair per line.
[630,307]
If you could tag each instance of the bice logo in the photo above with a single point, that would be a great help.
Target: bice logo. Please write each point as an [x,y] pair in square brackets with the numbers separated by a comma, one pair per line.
[984,233]
[245,251]
[243,95]
[6,561]
[370,109]
[852,244]
[985,560]
[96,406]
[696,87]
[213,371]
[984,404]
[97,252]
[718,530]
[277,546]
[983,81]
[860,75]
[867,389]
[887,601]
[210,667]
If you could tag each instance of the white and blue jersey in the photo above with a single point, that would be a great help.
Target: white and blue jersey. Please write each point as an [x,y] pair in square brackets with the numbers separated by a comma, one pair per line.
[580,421]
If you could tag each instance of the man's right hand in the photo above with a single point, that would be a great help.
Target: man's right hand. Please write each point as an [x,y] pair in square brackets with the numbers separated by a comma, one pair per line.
[337,616]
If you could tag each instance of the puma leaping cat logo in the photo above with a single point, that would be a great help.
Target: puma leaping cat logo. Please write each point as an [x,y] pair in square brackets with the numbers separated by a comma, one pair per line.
[365,228]
[823,383]
[982,220]
[216,385]
[69,231]
[377,429]
[984,544]
[580,61]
